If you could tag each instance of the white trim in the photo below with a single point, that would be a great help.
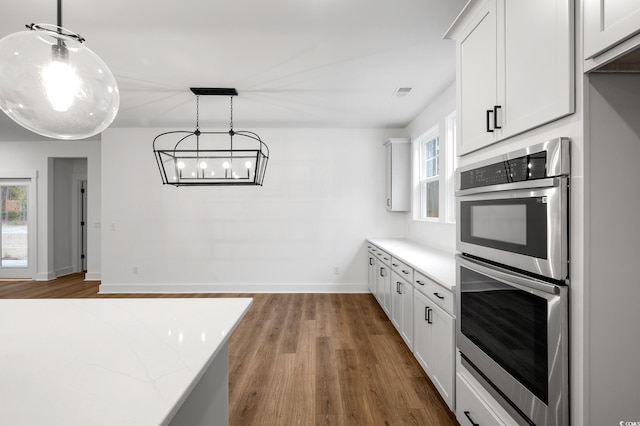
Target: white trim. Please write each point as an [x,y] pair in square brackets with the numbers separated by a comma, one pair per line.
[44,276]
[64,271]
[92,276]
[234,288]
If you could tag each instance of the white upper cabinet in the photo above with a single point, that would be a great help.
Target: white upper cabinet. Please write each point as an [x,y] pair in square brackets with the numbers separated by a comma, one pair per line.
[398,174]
[514,68]
[608,23]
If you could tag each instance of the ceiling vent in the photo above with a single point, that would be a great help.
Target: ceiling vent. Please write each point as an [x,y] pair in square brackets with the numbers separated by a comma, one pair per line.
[402,92]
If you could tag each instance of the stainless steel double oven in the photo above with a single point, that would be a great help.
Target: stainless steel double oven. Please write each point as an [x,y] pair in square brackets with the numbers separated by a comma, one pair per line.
[512,279]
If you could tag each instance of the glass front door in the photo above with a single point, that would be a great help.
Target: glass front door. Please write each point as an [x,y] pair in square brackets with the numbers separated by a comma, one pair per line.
[14,229]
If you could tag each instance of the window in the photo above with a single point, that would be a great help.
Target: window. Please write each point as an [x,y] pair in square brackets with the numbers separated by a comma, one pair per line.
[435,164]
[429,172]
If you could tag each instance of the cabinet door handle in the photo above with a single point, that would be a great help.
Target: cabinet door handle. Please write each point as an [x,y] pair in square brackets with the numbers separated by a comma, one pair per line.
[420,282]
[495,117]
[405,272]
[381,272]
[371,261]
[489,129]
[394,264]
[399,287]
[388,202]
[429,321]
[426,313]
[438,296]
[466,413]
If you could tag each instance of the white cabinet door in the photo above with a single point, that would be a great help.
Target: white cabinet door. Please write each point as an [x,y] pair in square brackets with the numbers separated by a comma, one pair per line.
[477,58]
[538,81]
[422,331]
[402,308]
[434,345]
[407,314]
[398,174]
[384,287]
[607,23]
[443,359]
[371,277]
[396,301]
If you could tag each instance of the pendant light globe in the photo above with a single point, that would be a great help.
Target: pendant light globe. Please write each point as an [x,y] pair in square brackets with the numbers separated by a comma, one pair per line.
[55,86]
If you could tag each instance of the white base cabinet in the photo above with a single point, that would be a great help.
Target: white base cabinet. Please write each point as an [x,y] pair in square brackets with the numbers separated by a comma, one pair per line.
[434,344]
[402,308]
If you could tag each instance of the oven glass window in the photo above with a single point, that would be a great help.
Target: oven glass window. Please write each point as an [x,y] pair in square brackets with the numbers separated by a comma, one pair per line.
[517,225]
[509,325]
[506,223]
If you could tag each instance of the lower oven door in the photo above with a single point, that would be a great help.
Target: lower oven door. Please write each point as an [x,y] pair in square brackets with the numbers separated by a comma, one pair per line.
[512,334]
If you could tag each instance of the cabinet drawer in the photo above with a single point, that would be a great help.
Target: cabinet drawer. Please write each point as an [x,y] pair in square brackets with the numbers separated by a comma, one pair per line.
[402,269]
[470,408]
[383,256]
[438,294]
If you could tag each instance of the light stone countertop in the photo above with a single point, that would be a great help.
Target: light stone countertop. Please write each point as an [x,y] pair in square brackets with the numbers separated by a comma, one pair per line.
[107,361]
[438,265]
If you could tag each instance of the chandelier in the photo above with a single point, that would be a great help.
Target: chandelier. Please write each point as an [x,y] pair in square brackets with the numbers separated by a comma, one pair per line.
[55,86]
[202,158]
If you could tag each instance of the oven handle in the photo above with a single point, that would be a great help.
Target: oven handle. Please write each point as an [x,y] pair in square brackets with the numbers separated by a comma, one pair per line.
[513,186]
[521,281]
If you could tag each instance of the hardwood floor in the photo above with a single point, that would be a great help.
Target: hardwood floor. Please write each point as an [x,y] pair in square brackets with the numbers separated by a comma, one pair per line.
[305,359]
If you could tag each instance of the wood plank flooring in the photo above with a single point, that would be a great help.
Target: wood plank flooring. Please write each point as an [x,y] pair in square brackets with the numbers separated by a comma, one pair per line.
[305,359]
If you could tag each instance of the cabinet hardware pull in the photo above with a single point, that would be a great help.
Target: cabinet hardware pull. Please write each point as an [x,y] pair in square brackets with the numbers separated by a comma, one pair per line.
[405,272]
[426,313]
[438,296]
[371,261]
[388,202]
[399,287]
[489,129]
[386,258]
[394,264]
[495,117]
[466,413]
[381,272]
[429,321]
[419,282]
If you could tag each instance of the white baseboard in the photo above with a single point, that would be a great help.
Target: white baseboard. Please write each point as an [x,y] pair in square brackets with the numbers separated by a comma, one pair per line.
[92,276]
[64,271]
[44,276]
[234,288]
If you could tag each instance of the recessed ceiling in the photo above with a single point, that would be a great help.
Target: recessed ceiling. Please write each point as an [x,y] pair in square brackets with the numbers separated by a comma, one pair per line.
[295,63]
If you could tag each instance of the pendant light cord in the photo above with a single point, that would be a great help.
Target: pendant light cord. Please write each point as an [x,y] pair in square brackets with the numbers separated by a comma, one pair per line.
[59,16]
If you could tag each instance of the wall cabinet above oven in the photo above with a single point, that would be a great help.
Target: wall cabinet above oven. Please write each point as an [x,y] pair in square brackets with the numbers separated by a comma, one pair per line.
[514,68]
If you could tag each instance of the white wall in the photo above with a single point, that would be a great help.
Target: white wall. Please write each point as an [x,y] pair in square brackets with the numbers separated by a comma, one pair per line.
[611,275]
[437,234]
[323,194]
[37,155]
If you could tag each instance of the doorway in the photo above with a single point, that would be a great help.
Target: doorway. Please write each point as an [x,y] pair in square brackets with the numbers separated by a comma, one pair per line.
[17,228]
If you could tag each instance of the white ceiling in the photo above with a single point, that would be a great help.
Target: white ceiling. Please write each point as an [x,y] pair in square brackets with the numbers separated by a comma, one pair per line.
[295,63]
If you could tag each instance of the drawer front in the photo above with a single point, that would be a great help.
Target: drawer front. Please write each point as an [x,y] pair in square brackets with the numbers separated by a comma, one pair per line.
[383,256]
[470,408]
[438,294]
[402,269]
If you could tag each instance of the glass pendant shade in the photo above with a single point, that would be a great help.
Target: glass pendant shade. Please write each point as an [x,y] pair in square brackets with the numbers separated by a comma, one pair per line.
[53,85]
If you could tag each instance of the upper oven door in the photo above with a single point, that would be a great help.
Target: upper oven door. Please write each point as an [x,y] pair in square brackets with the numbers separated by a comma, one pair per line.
[521,225]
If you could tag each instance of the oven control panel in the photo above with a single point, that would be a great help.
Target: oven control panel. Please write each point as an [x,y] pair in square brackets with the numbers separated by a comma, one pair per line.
[527,167]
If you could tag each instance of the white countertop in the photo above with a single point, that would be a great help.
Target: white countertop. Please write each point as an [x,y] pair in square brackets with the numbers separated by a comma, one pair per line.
[436,264]
[107,361]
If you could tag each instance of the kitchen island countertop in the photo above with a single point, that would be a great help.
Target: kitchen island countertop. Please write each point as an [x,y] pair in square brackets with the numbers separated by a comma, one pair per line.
[110,361]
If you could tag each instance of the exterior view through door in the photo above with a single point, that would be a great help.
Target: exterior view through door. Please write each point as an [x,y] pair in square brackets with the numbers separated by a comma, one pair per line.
[14,229]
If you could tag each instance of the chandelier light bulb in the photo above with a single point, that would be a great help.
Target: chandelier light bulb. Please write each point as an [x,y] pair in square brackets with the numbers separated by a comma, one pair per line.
[180,165]
[213,173]
[247,164]
[225,165]
[61,84]
[203,165]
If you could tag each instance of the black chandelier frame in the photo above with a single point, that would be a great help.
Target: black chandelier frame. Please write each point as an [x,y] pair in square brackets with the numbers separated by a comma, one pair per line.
[198,158]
